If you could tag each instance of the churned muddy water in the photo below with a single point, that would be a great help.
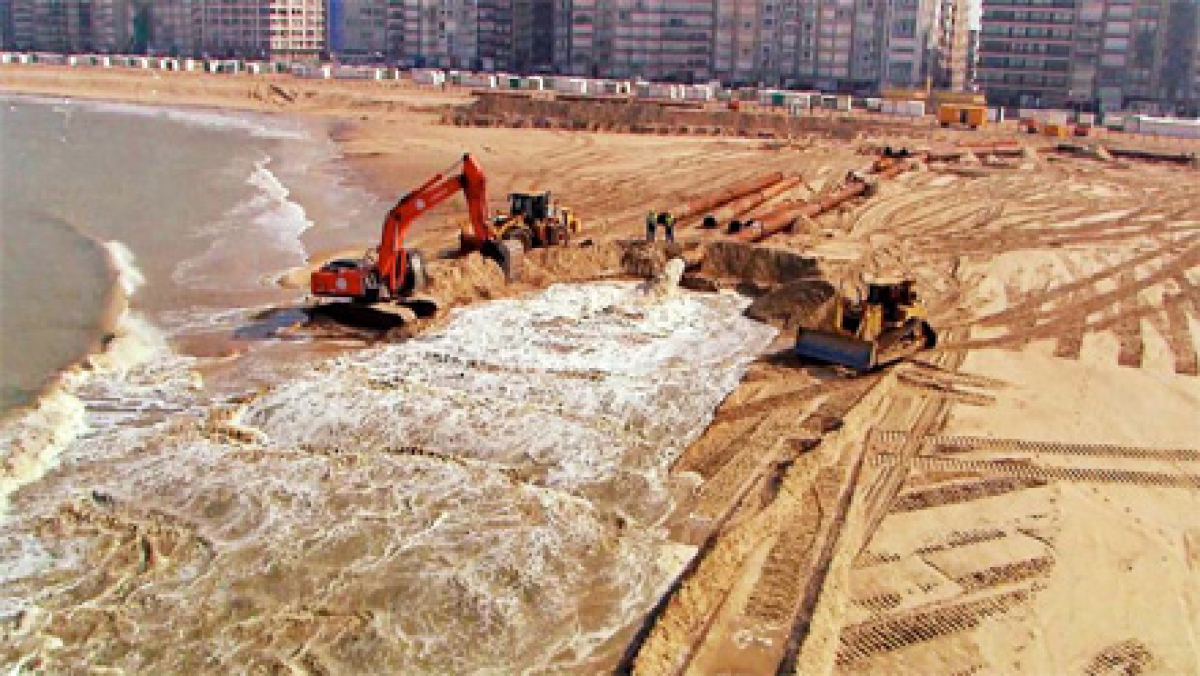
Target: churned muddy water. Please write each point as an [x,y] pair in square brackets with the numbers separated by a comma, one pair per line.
[487,498]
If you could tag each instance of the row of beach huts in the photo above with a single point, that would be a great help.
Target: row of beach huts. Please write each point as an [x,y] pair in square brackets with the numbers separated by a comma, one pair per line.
[911,104]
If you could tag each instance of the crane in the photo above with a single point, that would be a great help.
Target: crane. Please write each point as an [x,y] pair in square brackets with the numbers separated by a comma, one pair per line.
[394,272]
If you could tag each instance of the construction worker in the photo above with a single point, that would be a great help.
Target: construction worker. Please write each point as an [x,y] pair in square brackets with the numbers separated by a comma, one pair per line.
[651,219]
[667,221]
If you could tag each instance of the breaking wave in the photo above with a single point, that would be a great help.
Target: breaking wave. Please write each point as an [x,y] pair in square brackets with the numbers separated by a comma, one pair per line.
[269,221]
[33,439]
[486,499]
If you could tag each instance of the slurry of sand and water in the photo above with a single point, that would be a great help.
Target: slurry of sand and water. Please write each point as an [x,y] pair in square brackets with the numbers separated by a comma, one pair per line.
[488,496]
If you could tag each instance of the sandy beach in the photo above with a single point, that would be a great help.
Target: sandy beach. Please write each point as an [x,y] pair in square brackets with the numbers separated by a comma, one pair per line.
[1018,500]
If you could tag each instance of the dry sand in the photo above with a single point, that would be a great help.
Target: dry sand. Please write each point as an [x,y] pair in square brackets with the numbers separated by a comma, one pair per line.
[1020,500]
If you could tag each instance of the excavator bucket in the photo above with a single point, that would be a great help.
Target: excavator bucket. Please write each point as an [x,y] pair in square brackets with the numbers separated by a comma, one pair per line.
[836,348]
[508,254]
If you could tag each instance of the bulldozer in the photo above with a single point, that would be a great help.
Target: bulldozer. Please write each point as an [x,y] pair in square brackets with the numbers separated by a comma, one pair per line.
[536,221]
[865,333]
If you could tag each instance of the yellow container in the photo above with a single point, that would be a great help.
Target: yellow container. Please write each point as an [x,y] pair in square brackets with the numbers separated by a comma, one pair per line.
[1054,129]
[965,98]
[969,115]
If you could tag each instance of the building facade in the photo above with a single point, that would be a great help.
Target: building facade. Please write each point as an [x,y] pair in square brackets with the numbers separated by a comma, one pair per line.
[1092,54]
[70,25]
[953,50]
[169,27]
[6,35]
[848,45]
[356,30]
[432,33]
[1026,50]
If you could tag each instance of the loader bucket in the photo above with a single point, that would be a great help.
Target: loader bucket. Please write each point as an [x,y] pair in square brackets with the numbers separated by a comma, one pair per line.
[835,348]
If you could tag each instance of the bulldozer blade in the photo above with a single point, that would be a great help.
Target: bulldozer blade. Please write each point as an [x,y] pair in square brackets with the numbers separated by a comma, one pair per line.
[835,348]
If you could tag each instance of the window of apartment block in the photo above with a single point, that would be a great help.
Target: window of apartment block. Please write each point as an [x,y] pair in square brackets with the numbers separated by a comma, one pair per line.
[1117,28]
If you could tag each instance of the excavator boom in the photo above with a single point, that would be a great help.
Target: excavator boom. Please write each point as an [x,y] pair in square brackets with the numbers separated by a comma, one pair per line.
[396,269]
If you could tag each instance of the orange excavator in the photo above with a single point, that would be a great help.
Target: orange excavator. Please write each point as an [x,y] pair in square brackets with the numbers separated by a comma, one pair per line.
[391,272]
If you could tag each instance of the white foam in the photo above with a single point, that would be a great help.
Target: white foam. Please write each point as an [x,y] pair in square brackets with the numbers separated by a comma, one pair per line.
[549,418]
[33,441]
[624,387]
[135,366]
[128,275]
[268,221]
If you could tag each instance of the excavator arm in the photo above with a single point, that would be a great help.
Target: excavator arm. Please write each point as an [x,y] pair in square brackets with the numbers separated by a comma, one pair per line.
[392,265]
[394,268]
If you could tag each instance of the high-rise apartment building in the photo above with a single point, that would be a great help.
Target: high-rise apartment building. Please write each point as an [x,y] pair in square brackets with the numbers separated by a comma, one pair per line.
[263,28]
[70,25]
[1025,51]
[6,35]
[356,30]
[435,33]
[534,31]
[236,28]
[170,26]
[859,45]
[1103,54]
[297,28]
[952,49]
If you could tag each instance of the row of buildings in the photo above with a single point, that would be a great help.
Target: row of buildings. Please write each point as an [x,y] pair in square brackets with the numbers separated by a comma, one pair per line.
[1092,54]
[849,45]
[1086,54]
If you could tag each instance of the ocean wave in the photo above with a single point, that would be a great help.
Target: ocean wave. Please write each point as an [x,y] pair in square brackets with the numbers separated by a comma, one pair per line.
[256,125]
[135,365]
[277,222]
[488,497]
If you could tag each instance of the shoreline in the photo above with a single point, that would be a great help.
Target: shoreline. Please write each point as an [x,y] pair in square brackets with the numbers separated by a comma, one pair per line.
[117,305]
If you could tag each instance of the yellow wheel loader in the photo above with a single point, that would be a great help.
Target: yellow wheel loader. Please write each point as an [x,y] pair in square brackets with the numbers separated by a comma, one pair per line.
[536,221]
[865,333]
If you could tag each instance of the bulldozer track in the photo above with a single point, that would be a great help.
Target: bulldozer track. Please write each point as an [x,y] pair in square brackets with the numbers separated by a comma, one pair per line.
[1128,324]
[1128,657]
[946,390]
[880,603]
[963,444]
[1171,265]
[959,538]
[773,596]
[888,634]
[960,492]
[711,451]
[956,378]
[1174,326]
[1069,343]
[1030,471]
[764,405]
[1006,574]
[720,499]
[869,559]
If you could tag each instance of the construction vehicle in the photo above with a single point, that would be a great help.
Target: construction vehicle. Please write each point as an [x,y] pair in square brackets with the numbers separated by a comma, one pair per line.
[969,115]
[536,221]
[865,333]
[391,272]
